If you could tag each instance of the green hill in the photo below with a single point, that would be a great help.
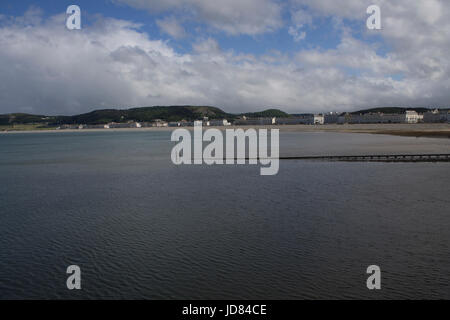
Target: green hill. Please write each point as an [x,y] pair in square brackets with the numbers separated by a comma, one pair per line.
[271,113]
[149,114]
[146,114]
[23,118]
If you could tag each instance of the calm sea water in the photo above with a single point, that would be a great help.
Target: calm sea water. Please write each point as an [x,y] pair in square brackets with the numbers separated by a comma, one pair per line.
[142,228]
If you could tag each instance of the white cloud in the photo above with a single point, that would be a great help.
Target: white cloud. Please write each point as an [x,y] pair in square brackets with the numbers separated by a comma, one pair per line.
[353,54]
[208,46]
[48,69]
[234,17]
[172,27]
[297,34]
[418,33]
[352,9]
[299,19]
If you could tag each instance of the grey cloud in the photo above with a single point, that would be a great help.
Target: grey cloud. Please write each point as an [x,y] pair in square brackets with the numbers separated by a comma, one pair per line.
[47,69]
[172,27]
[299,18]
[234,17]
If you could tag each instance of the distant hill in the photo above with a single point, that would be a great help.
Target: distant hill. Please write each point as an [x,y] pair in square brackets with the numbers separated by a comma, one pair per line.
[149,114]
[23,118]
[146,114]
[271,113]
[393,110]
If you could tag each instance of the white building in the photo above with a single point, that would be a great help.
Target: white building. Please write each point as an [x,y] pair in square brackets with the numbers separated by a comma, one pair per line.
[420,117]
[412,116]
[319,119]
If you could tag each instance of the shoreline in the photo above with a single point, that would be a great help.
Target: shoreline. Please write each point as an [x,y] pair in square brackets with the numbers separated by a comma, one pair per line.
[425,130]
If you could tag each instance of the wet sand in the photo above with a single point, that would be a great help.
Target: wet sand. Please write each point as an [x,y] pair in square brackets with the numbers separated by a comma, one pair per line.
[441,130]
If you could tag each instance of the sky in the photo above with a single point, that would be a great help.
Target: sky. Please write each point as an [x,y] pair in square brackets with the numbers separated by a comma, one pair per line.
[239,55]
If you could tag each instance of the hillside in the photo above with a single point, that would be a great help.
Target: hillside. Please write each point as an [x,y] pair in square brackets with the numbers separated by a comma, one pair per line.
[146,114]
[394,110]
[149,114]
[271,113]
[23,118]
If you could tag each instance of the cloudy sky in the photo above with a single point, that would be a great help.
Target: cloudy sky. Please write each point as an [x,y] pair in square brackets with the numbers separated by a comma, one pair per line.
[240,55]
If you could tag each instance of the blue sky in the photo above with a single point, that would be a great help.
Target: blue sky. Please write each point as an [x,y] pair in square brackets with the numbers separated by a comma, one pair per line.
[240,55]
[322,35]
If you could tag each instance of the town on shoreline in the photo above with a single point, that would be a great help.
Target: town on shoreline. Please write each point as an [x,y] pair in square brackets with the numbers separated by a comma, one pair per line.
[384,120]
[409,117]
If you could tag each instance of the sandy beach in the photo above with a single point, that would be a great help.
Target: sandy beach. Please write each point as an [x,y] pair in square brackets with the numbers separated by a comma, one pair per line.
[439,130]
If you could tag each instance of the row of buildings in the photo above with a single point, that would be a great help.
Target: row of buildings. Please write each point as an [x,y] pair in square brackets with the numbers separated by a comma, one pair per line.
[408,117]
[113,125]
[411,116]
[205,122]
[308,119]
[436,116]
[154,124]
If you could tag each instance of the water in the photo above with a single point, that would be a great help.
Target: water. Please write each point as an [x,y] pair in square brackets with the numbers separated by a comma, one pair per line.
[142,228]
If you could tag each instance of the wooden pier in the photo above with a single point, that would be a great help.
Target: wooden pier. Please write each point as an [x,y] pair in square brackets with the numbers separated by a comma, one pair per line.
[440,157]
[379,158]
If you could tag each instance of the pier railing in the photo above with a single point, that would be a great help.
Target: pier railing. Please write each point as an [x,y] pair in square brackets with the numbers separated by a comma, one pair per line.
[440,157]
[445,157]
